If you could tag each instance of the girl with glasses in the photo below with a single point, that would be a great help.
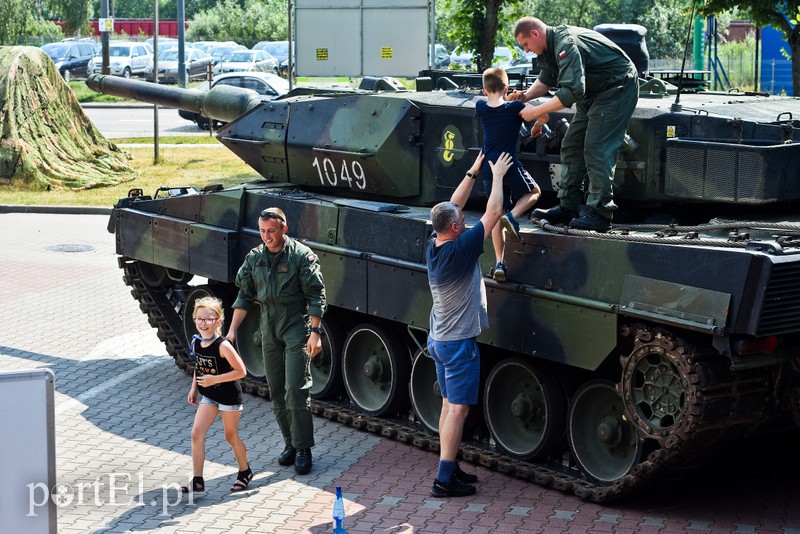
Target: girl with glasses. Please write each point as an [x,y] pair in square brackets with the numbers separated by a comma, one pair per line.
[218,368]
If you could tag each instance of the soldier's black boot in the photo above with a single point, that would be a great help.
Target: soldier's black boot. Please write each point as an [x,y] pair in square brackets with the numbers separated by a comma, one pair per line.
[591,221]
[555,215]
[302,463]
[287,456]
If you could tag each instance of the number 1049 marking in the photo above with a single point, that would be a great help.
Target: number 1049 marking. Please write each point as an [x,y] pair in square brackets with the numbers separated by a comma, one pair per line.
[329,177]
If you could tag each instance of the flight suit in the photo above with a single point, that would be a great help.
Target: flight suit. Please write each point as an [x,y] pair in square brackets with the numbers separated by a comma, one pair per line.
[598,77]
[287,287]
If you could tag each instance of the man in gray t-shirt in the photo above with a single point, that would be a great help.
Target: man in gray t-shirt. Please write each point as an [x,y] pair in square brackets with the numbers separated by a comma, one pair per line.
[458,316]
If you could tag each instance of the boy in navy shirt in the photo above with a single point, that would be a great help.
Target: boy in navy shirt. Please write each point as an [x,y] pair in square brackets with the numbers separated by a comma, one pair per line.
[501,122]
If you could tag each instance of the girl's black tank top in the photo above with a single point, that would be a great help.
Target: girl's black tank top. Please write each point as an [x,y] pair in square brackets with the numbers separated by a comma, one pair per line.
[210,362]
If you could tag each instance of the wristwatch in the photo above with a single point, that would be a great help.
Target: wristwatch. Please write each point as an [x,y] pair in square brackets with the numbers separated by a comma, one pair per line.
[470,175]
[318,329]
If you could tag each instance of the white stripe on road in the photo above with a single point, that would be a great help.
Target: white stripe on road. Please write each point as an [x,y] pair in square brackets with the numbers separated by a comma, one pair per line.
[100,388]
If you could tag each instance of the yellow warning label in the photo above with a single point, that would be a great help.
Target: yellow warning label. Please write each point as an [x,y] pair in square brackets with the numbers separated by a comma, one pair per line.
[322,54]
[386,52]
[670,131]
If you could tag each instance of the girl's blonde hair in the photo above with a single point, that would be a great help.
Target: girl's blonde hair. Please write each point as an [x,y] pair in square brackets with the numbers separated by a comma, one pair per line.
[215,305]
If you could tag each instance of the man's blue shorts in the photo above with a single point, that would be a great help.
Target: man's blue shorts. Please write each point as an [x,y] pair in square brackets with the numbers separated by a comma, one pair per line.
[458,369]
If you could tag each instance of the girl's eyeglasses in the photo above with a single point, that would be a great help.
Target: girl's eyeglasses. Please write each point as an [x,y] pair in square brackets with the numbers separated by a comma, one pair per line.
[205,320]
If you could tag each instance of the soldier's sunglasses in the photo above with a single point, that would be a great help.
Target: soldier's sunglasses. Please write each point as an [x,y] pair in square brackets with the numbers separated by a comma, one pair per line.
[271,215]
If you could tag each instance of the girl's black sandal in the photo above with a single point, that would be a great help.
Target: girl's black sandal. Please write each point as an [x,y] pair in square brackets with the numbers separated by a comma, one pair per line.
[197,485]
[242,480]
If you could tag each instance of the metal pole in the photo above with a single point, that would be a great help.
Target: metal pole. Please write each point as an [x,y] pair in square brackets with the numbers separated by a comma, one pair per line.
[181,45]
[290,72]
[758,41]
[432,58]
[106,69]
[155,79]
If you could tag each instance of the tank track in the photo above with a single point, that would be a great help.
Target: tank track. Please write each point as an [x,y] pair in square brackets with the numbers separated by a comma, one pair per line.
[719,407]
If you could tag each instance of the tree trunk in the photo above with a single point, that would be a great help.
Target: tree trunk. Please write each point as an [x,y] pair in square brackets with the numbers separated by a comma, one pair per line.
[488,35]
[794,46]
[46,141]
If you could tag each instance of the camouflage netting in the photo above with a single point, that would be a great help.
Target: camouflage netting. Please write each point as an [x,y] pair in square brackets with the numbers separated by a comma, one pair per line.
[47,141]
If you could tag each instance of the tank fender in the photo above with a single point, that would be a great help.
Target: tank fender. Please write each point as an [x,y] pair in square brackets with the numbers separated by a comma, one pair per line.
[695,308]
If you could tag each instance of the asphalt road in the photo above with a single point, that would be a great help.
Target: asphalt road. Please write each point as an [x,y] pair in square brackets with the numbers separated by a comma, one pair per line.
[115,120]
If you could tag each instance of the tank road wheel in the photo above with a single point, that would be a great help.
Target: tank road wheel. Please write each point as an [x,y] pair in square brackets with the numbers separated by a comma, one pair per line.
[655,384]
[196,294]
[525,408]
[376,369]
[426,397]
[153,275]
[248,341]
[604,443]
[326,368]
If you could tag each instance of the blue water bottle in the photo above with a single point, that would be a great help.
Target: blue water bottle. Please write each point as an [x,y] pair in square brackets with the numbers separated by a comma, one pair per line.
[338,512]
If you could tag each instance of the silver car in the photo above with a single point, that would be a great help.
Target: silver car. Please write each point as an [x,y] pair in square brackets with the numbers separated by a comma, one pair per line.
[125,59]
[248,60]
[196,63]
[268,85]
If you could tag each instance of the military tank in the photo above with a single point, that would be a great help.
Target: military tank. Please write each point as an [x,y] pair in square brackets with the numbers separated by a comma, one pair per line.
[613,360]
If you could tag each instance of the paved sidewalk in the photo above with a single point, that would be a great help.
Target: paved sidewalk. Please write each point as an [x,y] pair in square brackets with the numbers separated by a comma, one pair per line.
[122,420]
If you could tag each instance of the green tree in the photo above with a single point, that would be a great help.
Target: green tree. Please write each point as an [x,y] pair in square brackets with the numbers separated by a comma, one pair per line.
[467,25]
[167,9]
[256,20]
[15,18]
[475,25]
[781,15]
[75,14]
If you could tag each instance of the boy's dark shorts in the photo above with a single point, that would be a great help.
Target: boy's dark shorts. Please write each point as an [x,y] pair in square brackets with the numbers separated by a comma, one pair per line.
[516,184]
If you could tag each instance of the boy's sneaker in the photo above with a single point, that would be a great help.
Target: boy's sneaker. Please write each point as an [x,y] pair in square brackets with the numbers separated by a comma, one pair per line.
[500,272]
[511,226]
[464,477]
[454,488]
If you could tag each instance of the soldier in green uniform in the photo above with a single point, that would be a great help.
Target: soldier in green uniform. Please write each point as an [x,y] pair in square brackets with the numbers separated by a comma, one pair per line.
[600,79]
[283,277]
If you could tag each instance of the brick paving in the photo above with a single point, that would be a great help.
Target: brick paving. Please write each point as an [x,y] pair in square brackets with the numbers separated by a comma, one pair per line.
[122,420]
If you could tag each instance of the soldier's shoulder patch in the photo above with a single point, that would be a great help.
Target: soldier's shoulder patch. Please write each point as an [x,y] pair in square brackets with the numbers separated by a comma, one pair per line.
[312,258]
[562,55]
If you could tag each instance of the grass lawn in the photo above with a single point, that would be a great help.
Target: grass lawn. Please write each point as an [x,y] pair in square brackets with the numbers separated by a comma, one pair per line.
[179,167]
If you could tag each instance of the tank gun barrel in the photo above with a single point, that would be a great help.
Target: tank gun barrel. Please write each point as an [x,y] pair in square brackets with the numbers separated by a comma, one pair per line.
[222,103]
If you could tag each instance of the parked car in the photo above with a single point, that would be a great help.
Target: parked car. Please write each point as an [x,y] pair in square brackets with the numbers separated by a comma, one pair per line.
[525,63]
[266,84]
[248,60]
[125,59]
[163,42]
[441,57]
[222,50]
[461,59]
[195,60]
[519,68]
[71,57]
[277,49]
[503,55]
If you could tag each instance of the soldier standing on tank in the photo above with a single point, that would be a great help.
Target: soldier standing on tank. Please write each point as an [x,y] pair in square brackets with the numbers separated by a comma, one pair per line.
[283,277]
[459,315]
[600,79]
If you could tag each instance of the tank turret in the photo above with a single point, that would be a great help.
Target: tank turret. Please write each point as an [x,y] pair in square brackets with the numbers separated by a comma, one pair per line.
[721,150]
